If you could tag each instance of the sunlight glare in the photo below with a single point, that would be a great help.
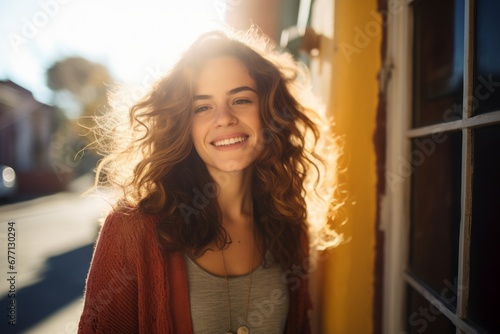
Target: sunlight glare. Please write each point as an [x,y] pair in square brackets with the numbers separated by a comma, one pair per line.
[131,38]
[152,35]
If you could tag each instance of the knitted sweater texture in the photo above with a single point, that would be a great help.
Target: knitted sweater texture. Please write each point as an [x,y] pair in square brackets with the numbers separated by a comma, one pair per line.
[135,287]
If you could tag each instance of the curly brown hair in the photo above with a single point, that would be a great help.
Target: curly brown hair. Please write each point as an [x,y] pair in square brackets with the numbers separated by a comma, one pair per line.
[168,178]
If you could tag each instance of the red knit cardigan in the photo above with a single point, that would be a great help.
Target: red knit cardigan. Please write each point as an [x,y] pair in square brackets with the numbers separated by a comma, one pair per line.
[134,287]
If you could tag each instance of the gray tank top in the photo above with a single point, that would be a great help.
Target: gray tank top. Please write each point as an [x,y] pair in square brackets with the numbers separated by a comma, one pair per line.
[209,303]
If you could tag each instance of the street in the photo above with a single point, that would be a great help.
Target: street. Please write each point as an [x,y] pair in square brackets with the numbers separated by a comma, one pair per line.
[46,250]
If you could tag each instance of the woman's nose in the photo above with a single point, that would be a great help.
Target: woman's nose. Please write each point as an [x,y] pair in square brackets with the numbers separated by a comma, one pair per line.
[224,117]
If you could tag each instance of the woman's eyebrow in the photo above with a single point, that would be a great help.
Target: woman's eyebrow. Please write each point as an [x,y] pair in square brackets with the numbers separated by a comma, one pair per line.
[202,97]
[230,92]
[240,89]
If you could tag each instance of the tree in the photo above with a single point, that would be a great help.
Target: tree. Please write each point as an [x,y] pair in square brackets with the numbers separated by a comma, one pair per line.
[80,89]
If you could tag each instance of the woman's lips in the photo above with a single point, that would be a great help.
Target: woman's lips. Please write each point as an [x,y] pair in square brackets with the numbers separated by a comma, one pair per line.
[229,141]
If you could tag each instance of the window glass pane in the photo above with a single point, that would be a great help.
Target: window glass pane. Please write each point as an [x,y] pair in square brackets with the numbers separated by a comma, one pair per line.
[435,210]
[487,79]
[438,61]
[484,293]
[424,317]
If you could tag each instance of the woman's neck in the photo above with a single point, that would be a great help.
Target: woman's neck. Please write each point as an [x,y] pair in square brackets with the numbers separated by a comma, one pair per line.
[235,197]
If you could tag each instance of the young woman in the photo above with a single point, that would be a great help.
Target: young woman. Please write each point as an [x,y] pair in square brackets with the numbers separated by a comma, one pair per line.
[210,234]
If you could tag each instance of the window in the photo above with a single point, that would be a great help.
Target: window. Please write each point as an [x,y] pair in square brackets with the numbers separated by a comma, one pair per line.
[448,56]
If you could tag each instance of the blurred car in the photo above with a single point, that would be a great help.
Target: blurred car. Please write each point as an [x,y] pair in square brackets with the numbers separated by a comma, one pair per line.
[8,182]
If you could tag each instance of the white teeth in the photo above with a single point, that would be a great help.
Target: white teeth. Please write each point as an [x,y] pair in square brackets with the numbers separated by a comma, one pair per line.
[230,141]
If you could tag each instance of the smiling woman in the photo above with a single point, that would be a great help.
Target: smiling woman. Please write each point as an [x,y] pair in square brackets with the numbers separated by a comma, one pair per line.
[211,232]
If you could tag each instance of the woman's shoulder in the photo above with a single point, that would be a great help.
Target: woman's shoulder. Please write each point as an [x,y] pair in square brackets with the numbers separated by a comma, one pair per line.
[128,225]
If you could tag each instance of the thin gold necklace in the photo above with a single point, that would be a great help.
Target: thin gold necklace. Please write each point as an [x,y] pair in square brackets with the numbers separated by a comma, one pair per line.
[243,329]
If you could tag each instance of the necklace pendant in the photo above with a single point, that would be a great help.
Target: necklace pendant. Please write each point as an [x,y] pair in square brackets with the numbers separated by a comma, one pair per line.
[243,330]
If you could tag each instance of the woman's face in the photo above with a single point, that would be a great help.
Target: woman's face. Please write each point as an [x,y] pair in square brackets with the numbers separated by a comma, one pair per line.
[226,127]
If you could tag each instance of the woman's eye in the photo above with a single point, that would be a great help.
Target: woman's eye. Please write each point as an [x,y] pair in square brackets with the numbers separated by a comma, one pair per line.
[242,101]
[200,109]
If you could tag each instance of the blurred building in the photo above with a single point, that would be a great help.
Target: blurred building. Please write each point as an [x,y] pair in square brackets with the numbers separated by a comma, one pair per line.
[414,89]
[27,127]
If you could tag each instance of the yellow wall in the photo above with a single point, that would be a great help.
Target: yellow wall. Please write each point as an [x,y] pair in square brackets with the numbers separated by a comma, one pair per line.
[348,273]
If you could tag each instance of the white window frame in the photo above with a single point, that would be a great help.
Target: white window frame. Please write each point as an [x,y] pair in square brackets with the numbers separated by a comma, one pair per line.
[397,71]
[394,221]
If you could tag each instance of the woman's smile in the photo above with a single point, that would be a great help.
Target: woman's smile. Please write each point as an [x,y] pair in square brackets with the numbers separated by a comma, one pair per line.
[229,141]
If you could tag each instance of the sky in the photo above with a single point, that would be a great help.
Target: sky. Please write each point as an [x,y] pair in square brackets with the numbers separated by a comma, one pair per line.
[136,40]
